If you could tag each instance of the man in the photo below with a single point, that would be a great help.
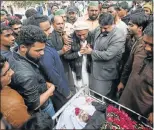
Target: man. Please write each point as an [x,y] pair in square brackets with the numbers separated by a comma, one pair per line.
[7,41]
[93,13]
[51,64]
[104,7]
[136,25]
[106,55]
[137,77]
[68,29]
[148,8]
[29,82]
[123,11]
[12,104]
[3,16]
[78,62]
[15,24]
[117,20]
[72,14]
[62,46]
[29,12]
[54,8]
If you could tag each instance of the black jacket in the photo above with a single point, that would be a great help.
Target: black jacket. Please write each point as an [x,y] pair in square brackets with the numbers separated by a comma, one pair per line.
[56,42]
[74,59]
[28,81]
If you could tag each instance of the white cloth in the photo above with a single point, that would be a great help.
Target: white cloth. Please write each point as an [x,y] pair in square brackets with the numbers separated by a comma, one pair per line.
[68,119]
[85,75]
[122,26]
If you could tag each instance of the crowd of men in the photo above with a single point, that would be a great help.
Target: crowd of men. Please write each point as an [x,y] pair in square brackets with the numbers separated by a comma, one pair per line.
[45,60]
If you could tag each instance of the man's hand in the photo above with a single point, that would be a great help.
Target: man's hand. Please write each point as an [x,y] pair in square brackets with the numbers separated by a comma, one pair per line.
[86,50]
[51,87]
[150,118]
[120,86]
[66,48]
[67,40]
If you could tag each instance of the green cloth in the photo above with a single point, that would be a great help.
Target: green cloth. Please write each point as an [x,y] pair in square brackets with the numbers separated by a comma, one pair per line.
[93,3]
[59,12]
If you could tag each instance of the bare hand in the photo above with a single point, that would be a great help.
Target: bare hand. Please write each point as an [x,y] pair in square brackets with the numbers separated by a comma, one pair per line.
[86,50]
[150,118]
[120,86]
[50,87]
[66,39]
[66,48]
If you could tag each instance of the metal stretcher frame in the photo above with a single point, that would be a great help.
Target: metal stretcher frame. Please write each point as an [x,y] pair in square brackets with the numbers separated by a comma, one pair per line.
[88,92]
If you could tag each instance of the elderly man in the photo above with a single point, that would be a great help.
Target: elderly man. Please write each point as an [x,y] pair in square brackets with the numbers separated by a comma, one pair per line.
[62,46]
[106,55]
[68,28]
[93,13]
[78,62]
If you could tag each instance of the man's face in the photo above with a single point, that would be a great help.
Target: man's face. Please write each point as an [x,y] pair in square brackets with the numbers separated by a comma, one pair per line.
[35,52]
[72,15]
[147,11]
[64,17]
[93,12]
[121,12]
[106,29]
[58,25]
[6,75]
[54,9]
[3,17]
[7,38]
[112,11]
[16,28]
[82,35]
[104,10]
[148,42]
[132,28]
[46,27]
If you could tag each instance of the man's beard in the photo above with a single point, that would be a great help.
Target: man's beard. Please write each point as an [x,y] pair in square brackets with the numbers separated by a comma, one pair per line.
[93,17]
[35,60]
[73,19]
[60,30]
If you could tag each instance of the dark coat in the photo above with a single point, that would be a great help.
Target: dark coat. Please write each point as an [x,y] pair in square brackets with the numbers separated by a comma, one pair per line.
[137,76]
[56,42]
[54,71]
[28,81]
[75,59]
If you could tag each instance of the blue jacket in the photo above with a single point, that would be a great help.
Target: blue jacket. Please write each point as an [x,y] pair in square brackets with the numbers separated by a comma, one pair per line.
[54,71]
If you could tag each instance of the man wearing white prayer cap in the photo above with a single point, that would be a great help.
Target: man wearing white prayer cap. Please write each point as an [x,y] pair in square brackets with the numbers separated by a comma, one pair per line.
[80,64]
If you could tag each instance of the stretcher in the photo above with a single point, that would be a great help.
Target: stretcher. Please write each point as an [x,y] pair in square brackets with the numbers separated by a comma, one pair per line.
[85,91]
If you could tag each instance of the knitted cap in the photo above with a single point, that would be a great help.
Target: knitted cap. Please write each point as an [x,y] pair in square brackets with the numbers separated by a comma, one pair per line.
[148,5]
[80,25]
[93,3]
[72,9]
[59,12]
